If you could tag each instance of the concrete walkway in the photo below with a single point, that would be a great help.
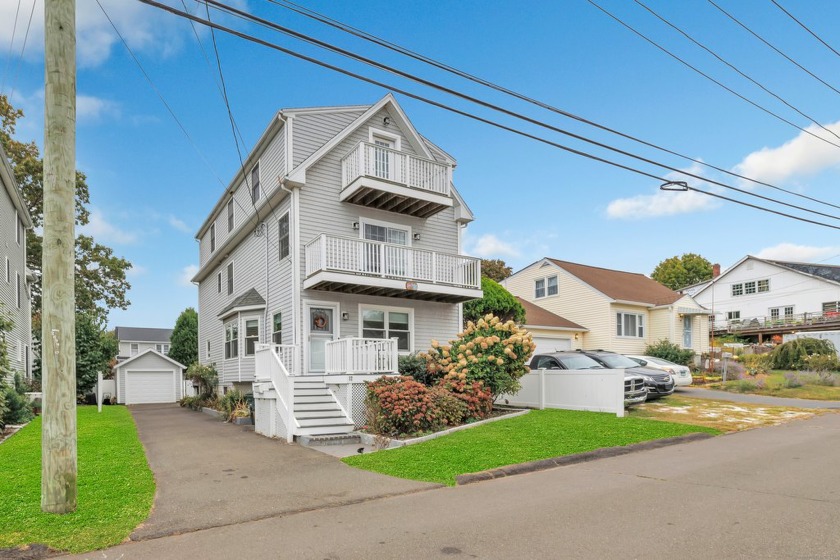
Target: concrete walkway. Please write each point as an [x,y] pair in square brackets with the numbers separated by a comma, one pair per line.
[700,393]
[212,474]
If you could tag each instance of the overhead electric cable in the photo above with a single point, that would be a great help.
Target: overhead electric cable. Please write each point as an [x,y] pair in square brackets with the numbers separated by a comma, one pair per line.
[312,14]
[769,44]
[806,28]
[477,118]
[23,47]
[733,67]
[708,77]
[11,48]
[271,25]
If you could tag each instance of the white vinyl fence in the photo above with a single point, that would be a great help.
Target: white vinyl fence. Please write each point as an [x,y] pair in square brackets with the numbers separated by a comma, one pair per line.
[594,390]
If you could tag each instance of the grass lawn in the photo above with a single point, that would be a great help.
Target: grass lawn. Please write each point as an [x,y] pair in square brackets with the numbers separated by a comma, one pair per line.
[115,486]
[540,434]
[775,387]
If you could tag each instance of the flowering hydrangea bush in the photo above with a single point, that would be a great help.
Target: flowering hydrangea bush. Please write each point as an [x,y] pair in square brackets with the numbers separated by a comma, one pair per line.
[489,350]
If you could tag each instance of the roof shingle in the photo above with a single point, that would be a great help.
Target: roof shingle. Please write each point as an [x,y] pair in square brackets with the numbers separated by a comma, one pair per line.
[536,316]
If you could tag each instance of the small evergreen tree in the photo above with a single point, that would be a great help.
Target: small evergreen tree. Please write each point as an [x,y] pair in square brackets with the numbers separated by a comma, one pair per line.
[184,340]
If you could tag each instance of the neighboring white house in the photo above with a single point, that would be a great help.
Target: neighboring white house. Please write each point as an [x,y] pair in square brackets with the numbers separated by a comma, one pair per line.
[610,309]
[14,276]
[150,378]
[761,294]
[335,249]
[134,341]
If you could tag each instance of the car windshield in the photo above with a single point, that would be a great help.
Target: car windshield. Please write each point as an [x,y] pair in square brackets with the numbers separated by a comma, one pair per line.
[579,362]
[617,361]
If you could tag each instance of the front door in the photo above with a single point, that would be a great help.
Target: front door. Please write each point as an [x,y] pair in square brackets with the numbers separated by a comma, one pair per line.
[321,329]
[386,259]
[687,331]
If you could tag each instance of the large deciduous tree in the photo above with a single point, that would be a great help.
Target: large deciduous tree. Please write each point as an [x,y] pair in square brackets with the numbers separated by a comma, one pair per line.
[682,271]
[184,340]
[95,349]
[495,269]
[101,282]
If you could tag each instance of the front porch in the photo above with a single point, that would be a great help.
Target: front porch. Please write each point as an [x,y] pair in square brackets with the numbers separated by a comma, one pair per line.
[291,402]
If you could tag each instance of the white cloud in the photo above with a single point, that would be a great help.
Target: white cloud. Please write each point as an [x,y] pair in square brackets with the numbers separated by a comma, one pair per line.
[178,224]
[136,270]
[801,157]
[666,203]
[104,231]
[144,28]
[187,274]
[90,108]
[490,246]
[798,253]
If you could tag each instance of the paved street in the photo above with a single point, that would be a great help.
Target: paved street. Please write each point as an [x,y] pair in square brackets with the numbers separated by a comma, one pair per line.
[764,493]
[702,393]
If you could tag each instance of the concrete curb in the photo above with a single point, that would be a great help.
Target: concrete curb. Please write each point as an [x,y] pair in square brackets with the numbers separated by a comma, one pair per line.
[565,460]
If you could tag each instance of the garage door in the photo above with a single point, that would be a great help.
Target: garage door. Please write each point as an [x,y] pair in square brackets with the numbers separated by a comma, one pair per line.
[149,387]
[546,345]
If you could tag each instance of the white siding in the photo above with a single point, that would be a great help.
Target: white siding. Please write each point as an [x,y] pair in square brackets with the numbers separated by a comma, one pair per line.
[148,362]
[313,130]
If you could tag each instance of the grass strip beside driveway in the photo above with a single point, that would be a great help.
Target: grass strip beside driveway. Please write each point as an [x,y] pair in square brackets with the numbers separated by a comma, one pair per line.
[115,485]
[540,434]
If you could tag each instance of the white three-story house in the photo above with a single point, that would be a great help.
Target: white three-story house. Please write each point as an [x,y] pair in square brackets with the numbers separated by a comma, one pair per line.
[334,250]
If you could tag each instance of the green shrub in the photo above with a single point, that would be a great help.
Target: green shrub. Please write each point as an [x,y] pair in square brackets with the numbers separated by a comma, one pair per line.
[414,365]
[233,405]
[18,409]
[477,399]
[450,410]
[822,363]
[489,351]
[756,364]
[206,376]
[496,301]
[796,354]
[667,350]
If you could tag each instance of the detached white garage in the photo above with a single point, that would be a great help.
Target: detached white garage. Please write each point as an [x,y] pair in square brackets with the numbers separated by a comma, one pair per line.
[149,378]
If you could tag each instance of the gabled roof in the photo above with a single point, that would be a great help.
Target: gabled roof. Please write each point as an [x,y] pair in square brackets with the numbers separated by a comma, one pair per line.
[248,300]
[620,285]
[824,271]
[155,352]
[142,334]
[7,177]
[830,273]
[536,316]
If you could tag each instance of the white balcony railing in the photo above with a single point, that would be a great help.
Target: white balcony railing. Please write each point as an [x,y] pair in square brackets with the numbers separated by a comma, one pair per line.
[380,162]
[374,258]
[356,356]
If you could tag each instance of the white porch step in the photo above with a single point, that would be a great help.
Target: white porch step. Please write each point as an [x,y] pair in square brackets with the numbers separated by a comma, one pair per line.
[313,392]
[320,413]
[324,421]
[317,411]
[326,405]
[313,399]
[324,430]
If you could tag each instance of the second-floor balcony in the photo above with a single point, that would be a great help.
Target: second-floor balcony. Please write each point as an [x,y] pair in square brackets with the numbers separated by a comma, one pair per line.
[387,179]
[359,266]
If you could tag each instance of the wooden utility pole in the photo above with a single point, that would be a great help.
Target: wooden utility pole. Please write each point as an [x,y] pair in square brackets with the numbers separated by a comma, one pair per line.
[58,337]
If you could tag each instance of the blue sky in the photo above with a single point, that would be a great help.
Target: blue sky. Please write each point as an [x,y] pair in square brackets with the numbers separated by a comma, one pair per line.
[151,187]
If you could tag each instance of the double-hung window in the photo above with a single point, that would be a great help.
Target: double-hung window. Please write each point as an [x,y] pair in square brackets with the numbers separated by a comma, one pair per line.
[551,286]
[733,315]
[545,287]
[277,328]
[212,237]
[230,215]
[231,340]
[763,286]
[162,348]
[134,349]
[255,183]
[252,336]
[539,288]
[630,325]
[749,287]
[17,288]
[230,278]
[737,289]
[388,323]
[219,282]
[283,235]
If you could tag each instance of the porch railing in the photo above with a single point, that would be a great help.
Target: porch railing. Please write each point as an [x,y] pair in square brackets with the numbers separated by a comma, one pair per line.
[355,356]
[777,321]
[381,162]
[388,260]
[270,365]
[289,356]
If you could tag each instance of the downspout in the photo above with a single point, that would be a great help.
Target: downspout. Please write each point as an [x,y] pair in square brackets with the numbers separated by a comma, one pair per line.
[263,336]
[294,252]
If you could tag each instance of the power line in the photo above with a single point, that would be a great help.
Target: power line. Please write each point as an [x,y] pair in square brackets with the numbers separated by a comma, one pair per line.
[708,77]
[806,28]
[271,25]
[477,118]
[11,47]
[23,47]
[326,20]
[766,42]
[732,66]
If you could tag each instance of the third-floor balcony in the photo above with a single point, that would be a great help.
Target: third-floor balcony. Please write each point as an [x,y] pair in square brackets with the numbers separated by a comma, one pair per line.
[359,266]
[387,179]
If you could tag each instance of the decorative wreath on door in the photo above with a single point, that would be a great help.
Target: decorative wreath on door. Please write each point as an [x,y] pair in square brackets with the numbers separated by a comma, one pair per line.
[320,322]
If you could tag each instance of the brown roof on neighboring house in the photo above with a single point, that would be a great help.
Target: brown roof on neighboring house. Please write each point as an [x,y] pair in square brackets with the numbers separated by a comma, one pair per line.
[536,316]
[616,284]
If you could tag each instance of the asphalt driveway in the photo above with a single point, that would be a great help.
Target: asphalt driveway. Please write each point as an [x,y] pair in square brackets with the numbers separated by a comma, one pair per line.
[212,474]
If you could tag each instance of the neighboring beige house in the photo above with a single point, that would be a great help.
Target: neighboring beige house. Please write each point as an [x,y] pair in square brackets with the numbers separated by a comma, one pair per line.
[615,310]
[14,278]
[551,332]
